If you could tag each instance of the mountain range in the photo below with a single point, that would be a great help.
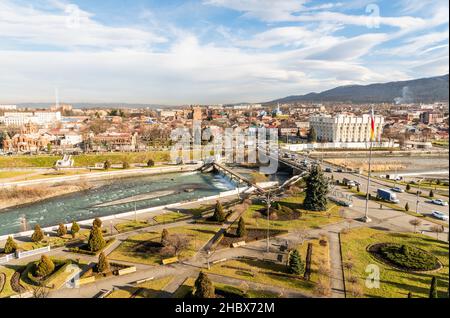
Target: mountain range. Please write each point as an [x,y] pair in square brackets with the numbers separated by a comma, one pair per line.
[423,90]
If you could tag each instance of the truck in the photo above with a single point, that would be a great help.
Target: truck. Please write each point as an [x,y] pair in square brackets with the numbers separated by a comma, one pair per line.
[387,195]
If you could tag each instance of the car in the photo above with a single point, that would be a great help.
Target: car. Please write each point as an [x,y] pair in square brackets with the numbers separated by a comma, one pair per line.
[397,189]
[339,170]
[439,215]
[351,183]
[328,170]
[439,202]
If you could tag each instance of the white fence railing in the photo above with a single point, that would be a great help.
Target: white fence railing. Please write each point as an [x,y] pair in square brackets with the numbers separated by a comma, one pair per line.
[18,255]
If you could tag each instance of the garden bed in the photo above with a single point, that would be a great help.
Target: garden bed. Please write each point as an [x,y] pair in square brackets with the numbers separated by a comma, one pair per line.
[83,248]
[405,257]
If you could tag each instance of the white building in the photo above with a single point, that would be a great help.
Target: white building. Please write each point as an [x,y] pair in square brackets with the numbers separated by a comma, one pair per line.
[346,128]
[22,118]
[8,107]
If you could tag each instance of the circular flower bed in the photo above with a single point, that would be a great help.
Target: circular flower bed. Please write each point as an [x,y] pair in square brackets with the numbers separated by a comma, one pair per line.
[405,257]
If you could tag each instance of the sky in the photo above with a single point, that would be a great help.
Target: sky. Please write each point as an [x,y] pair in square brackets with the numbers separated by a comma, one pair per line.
[213,51]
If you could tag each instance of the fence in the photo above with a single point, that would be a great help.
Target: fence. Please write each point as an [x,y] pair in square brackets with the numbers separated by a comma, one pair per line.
[19,254]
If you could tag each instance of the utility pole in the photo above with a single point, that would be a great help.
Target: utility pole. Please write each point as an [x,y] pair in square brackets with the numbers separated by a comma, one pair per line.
[417,197]
[268,222]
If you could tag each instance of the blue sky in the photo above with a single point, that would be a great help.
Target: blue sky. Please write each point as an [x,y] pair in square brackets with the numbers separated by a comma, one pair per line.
[213,51]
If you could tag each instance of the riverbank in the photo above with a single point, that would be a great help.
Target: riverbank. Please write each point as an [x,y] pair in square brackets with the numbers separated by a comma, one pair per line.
[16,194]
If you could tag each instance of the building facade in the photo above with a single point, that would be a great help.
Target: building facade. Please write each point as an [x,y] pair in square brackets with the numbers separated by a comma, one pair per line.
[346,128]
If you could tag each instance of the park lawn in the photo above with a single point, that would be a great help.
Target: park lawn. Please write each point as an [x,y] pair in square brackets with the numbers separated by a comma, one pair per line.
[199,236]
[394,283]
[320,261]
[131,226]
[150,289]
[188,286]
[53,241]
[168,217]
[13,174]
[85,159]
[262,272]
[309,219]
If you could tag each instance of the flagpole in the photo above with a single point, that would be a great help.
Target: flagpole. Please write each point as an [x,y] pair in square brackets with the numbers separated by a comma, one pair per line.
[372,134]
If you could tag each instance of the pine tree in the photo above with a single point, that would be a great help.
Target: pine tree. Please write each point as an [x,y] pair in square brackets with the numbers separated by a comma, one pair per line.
[295,264]
[44,267]
[219,215]
[61,230]
[96,242]
[164,237]
[408,187]
[102,264]
[431,195]
[316,190]
[241,230]
[107,165]
[38,235]
[97,222]
[204,287]
[410,295]
[150,163]
[10,246]
[75,228]
[312,135]
[406,207]
[433,288]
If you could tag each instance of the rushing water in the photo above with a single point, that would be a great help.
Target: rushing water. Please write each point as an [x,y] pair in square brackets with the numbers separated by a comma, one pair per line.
[114,198]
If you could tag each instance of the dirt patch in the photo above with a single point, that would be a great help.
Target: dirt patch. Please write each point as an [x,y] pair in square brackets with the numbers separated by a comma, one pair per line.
[148,247]
[2,281]
[15,283]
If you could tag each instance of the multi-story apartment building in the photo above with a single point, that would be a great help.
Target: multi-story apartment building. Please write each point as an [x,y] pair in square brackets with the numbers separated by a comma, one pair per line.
[345,128]
[22,118]
[8,107]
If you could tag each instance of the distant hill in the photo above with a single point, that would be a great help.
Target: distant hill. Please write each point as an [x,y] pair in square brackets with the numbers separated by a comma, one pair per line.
[423,90]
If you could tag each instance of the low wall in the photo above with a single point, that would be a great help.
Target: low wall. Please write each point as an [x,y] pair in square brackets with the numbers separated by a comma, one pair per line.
[338,145]
[103,175]
[20,255]
[128,214]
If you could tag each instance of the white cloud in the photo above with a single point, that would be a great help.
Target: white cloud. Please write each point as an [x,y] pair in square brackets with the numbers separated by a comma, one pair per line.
[68,27]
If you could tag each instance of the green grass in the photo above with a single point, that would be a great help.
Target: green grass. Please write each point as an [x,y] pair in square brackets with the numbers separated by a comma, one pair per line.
[258,271]
[12,174]
[150,289]
[188,286]
[130,226]
[168,217]
[83,160]
[394,283]
[198,236]
[309,219]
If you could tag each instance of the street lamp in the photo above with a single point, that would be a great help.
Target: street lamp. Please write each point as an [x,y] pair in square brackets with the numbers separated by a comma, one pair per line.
[417,197]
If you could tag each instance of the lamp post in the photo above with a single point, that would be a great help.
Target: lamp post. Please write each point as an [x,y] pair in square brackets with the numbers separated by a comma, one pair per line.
[268,222]
[417,197]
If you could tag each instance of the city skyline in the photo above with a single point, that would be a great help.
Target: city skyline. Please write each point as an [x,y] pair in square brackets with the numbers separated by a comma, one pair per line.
[213,51]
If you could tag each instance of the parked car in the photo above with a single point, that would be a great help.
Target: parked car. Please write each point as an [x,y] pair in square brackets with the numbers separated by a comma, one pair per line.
[328,170]
[339,170]
[439,202]
[397,189]
[439,215]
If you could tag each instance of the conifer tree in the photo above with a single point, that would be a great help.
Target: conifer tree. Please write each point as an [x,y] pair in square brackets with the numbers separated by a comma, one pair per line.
[96,242]
[102,264]
[164,237]
[61,230]
[75,228]
[38,234]
[44,267]
[204,287]
[219,214]
[10,246]
[433,288]
[295,264]
[241,230]
[312,135]
[316,190]
[97,222]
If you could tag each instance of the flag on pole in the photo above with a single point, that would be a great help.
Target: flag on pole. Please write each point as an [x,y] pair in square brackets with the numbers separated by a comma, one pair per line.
[372,126]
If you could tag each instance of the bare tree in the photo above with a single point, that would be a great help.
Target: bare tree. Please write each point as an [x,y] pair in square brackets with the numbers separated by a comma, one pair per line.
[40,292]
[177,243]
[437,229]
[415,223]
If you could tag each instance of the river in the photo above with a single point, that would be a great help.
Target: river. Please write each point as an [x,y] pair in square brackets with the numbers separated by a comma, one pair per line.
[114,197]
